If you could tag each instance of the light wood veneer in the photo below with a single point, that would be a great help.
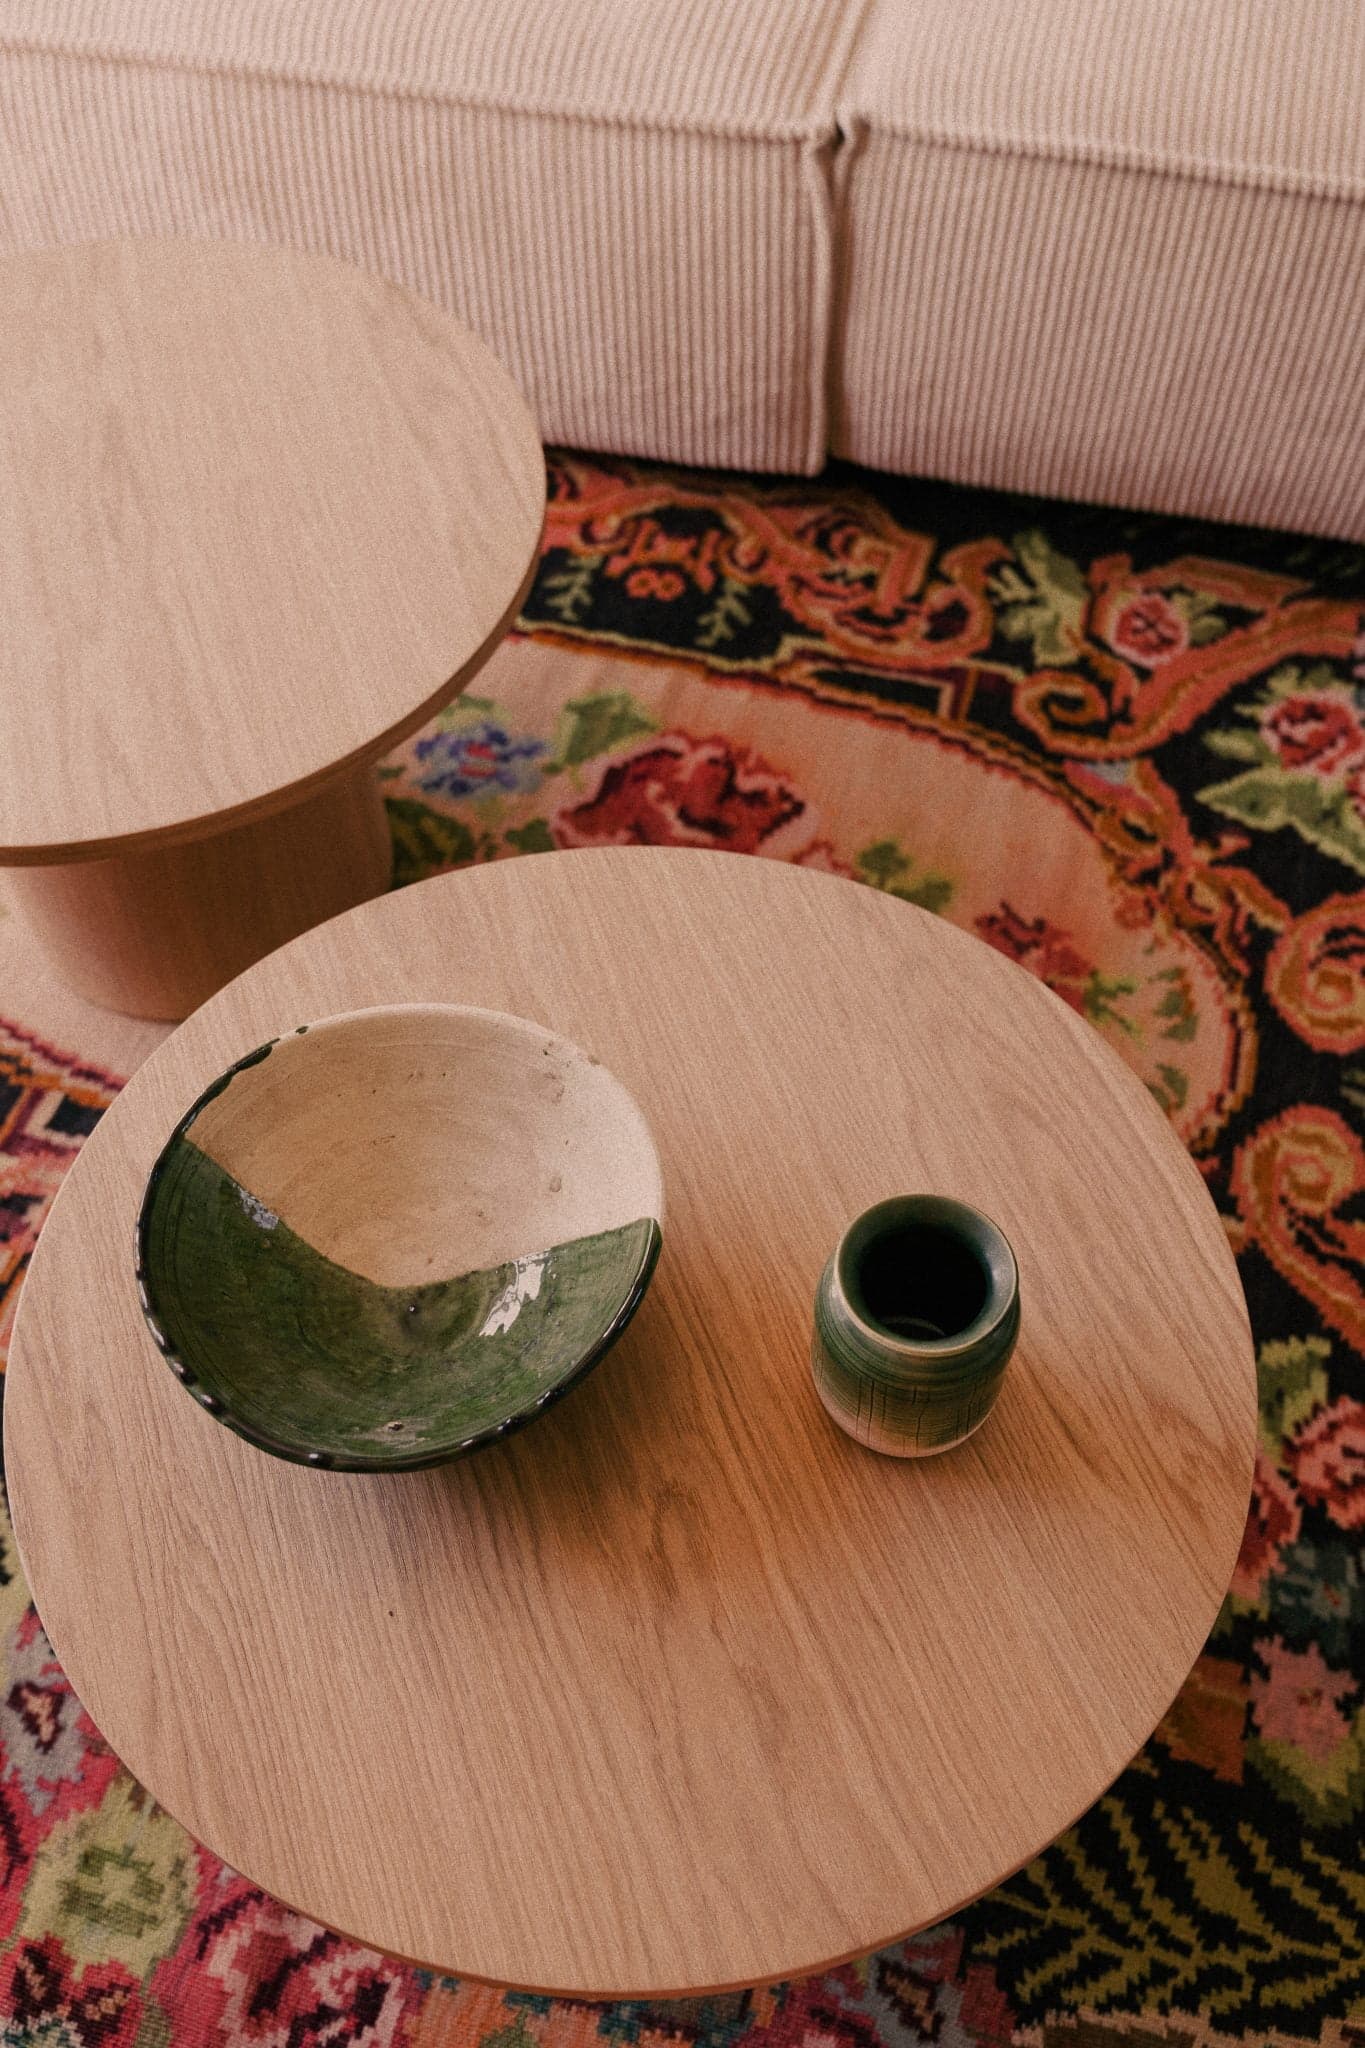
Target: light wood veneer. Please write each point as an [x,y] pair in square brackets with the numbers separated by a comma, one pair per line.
[264,514]
[680,1688]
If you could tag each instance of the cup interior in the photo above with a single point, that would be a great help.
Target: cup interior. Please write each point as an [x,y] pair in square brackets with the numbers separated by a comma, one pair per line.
[924,1270]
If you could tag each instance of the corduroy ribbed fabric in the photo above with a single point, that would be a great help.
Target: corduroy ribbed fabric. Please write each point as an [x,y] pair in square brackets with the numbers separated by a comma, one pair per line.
[761,68]
[633,209]
[1111,252]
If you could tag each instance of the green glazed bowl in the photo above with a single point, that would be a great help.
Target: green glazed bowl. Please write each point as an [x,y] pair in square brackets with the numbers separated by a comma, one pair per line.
[393,1236]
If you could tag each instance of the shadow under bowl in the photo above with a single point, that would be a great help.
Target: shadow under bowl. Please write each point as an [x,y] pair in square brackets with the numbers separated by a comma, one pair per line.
[393,1236]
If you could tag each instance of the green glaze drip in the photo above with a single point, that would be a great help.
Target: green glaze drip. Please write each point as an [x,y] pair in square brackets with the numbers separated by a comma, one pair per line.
[310,1358]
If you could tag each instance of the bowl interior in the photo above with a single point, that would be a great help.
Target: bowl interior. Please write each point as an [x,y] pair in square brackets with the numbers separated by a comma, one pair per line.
[393,1235]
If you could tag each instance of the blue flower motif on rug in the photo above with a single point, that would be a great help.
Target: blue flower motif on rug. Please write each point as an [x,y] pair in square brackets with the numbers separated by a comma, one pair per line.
[474,760]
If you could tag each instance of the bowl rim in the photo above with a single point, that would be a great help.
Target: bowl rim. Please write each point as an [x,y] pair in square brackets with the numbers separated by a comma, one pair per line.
[321,1461]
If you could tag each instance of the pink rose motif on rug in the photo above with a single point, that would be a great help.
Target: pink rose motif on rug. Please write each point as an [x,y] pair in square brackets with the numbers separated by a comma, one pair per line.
[1328,1461]
[1299,745]
[1317,729]
[680,791]
[1044,949]
[1148,629]
[1273,1522]
[1299,1700]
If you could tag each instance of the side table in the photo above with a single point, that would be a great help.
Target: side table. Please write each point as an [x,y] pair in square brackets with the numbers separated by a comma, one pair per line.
[677,1689]
[264,515]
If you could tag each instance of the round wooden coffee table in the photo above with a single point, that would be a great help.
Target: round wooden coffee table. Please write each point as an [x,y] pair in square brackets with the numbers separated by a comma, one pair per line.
[679,1688]
[263,515]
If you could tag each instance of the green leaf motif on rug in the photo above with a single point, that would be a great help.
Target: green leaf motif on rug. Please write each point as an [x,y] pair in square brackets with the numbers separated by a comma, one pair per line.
[424,840]
[1177,1008]
[1302,746]
[115,1883]
[1042,597]
[515,2035]
[534,836]
[722,619]
[464,710]
[154,2029]
[1237,746]
[567,592]
[1268,799]
[1293,1383]
[1318,1596]
[1171,1087]
[1328,1790]
[589,726]
[885,866]
[1099,1000]
[1203,621]
[1097,1920]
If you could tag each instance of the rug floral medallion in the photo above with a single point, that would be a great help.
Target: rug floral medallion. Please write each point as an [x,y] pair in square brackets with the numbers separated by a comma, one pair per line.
[1130,754]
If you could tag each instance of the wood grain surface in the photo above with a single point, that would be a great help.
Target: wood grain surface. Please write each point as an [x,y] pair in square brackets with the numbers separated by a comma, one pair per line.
[263,514]
[680,1688]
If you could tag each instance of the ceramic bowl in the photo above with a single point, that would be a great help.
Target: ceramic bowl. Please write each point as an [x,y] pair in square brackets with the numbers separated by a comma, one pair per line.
[393,1236]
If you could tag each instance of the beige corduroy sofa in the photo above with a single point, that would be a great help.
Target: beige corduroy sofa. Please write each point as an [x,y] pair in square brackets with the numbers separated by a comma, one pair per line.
[1098,248]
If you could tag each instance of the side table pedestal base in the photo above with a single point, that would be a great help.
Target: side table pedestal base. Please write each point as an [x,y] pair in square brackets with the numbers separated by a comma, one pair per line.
[156,932]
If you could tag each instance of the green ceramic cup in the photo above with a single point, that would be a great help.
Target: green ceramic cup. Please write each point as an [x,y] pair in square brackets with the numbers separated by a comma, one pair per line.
[916,1316]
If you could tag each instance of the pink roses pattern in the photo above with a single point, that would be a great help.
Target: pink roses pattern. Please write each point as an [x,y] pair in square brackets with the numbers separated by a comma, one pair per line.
[1327,1458]
[1273,1522]
[1316,729]
[680,791]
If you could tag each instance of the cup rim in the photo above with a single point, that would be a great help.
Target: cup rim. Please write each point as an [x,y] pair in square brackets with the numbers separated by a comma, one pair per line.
[987,1240]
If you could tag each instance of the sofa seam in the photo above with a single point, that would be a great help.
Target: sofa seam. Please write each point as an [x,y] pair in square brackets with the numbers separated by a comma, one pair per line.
[851,137]
[1147,163]
[829,168]
[817,167]
[815,130]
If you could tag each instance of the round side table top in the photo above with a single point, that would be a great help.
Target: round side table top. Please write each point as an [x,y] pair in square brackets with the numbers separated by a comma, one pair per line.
[263,514]
[679,1688]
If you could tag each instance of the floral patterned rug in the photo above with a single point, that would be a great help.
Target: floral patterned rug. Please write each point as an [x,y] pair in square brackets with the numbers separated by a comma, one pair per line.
[1129,753]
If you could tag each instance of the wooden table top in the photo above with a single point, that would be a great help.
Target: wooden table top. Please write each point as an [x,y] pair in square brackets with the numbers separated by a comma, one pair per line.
[263,514]
[679,1688]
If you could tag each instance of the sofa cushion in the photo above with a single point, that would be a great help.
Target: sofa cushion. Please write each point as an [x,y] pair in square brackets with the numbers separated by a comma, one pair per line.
[1110,251]
[630,204]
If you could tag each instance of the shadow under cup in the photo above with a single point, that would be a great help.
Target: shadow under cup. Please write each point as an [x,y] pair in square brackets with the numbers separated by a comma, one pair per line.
[916,1315]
